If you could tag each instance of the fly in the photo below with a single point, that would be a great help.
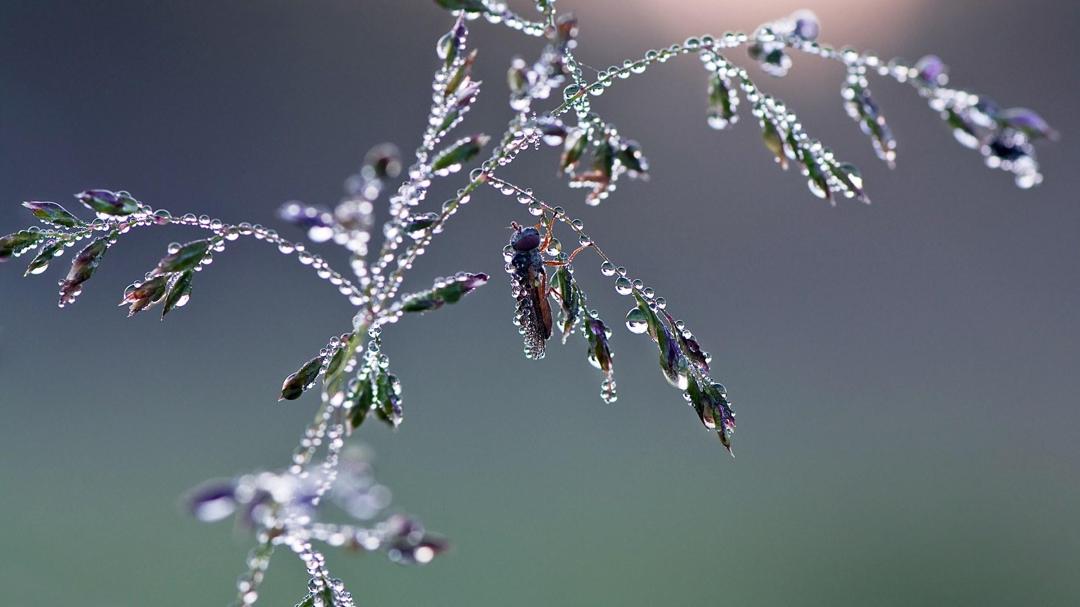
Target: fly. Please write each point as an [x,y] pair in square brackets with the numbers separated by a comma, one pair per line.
[530,285]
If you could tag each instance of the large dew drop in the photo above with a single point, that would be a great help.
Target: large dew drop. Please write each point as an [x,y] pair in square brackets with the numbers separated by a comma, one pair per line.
[636,321]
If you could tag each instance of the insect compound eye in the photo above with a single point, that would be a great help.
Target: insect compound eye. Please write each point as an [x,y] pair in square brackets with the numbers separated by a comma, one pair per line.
[526,239]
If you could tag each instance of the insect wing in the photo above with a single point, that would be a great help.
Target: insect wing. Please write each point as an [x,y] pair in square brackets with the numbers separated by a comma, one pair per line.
[533,313]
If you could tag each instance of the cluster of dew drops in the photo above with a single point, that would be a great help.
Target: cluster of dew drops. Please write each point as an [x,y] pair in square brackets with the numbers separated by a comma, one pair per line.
[636,321]
[227,232]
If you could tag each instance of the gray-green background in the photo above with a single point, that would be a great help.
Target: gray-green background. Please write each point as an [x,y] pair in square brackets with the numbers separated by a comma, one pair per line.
[905,374]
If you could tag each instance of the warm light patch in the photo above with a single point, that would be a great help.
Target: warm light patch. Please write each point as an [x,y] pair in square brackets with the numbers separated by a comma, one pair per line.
[842,20]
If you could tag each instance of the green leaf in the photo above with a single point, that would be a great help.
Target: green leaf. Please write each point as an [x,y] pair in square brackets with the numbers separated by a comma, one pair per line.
[50,212]
[469,6]
[387,399]
[359,402]
[187,258]
[298,383]
[710,402]
[819,183]
[337,362]
[632,158]
[448,121]
[107,202]
[652,320]
[689,347]
[83,267]
[461,74]
[774,141]
[673,362]
[862,108]
[41,262]
[335,383]
[963,130]
[574,148]
[600,356]
[179,293]
[569,299]
[445,291]
[421,221]
[721,111]
[517,78]
[450,45]
[604,158]
[460,152]
[18,243]
[599,352]
[849,176]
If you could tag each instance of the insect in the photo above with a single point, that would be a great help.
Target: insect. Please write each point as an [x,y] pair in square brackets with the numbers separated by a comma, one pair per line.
[530,284]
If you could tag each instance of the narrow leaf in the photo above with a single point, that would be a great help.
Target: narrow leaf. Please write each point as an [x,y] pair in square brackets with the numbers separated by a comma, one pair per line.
[18,243]
[83,267]
[469,6]
[50,212]
[445,291]
[187,258]
[462,151]
[41,262]
[359,402]
[297,383]
[179,293]
[107,202]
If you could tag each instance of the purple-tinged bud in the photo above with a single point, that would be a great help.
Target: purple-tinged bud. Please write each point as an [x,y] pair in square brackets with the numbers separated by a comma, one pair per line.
[50,212]
[382,162]
[213,501]
[931,71]
[306,216]
[553,130]
[805,25]
[107,202]
[82,268]
[144,295]
[1028,122]
[566,31]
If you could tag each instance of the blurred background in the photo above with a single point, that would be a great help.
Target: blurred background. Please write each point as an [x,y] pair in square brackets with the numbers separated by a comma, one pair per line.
[905,374]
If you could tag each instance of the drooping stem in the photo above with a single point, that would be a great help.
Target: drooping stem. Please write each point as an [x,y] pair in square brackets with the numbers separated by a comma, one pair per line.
[227,232]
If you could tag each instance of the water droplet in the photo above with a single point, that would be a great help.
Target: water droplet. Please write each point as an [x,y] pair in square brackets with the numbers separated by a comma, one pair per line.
[636,321]
[623,286]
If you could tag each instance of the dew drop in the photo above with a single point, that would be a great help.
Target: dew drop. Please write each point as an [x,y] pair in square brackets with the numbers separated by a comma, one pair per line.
[636,321]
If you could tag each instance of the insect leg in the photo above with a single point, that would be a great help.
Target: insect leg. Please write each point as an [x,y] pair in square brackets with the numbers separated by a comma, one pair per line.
[560,263]
[548,233]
